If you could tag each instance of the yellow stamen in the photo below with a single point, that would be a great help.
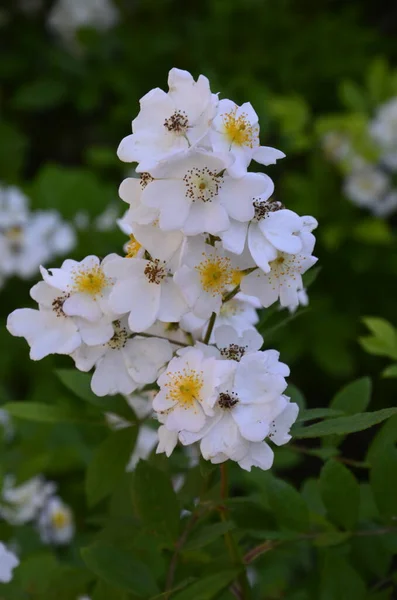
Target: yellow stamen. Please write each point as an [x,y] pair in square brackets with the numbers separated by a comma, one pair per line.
[237,277]
[239,130]
[59,519]
[185,387]
[132,247]
[90,281]
[216,274]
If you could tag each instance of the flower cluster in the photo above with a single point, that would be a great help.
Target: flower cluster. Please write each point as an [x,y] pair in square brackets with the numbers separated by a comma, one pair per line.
[34,501]
[67,16]
[369,182]
[208,245]
[29,238]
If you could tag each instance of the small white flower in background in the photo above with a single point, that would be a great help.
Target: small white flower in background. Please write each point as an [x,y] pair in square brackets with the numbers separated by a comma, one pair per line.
[123,364]
[336,146]
[146,442]
[20,504]
[236,130]
[367,186]
[383,130]
[169,123]
[7,425]
[386,206]
[107,220]
[8,562]
[141,402]
[144,289]
[14,209]
[67,16]
[55,523]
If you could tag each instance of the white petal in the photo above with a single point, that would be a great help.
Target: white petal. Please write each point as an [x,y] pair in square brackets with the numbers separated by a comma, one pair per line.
[172,304]
[82,305]
[261,250]
[145,305]
[111,376]
[267,156]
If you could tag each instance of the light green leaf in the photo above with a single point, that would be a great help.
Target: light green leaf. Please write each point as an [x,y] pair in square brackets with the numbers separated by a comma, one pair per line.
[208,587]
[344,425]
[156,502]
[108,463]
[340,493]
[354,397]
[208,534]
[352,96]
[120,568]
[47,413]
[390,371]
[384,333]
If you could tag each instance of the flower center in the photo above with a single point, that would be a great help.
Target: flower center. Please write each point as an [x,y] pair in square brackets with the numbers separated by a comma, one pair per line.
[145,179]
[59,519]
[202,184]
[285,265]
[14,234]
[185,386]
[263,208]
[216,274]
[239,130]
[231,308]
[177,123]
[237,277]
[233,352]
[132,247]
[119,338]
[226,400]
[90,281]
[155,271]
[57,305]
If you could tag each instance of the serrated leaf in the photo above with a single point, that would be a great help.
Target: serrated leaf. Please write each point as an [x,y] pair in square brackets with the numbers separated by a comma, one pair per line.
[344,425]
[156,502]
[108,463]
[340,493]
[208,534]
[48,413]
[120,568]
[354,397]
[208,587]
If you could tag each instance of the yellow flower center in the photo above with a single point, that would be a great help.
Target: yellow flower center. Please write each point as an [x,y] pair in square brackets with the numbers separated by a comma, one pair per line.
[132,247]
[59,519]
[14,234]
[90,281]
[237,277]
[216,274]
[185,386]
[239,130]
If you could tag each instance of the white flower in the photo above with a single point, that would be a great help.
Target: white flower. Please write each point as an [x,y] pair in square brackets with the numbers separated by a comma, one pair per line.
[383,130]
[124,363]
[195,196]
[8,562]
[367,186]
[169,123]
[7,425]
[21,504]
[206,274]
[145,443]
[234,346]
[141,402]
[55,523]
[236,130]
[107,220]
[302,299]
[67,16]
[386,205]
[279,428]
[336,146]
[146,290]
[167,439]
[14,211]
[188,389]
[284,280]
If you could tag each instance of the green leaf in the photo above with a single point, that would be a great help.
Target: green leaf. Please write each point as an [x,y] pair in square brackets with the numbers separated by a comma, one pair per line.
[41,94]
[156,502]
[383,479]
[384,338]
[208,587]
[120,568]
[104,591]
[390,371]
[353,97]
[318,413]
[47,413]
[339,581]
[80,384]
[331,538]
[208,534]
[296,396]
[340,493]
[354,397]
[108,463]
[287,505]
[344,425]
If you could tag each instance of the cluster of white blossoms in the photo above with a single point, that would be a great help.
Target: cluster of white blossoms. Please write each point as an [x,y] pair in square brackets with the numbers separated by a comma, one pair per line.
[208,246]
[28,238]
[67,16]
[370,184]
[35,501]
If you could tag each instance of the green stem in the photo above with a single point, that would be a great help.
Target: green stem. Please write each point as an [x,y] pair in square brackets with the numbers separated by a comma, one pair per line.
[231,294]
[160,337]
[209,328]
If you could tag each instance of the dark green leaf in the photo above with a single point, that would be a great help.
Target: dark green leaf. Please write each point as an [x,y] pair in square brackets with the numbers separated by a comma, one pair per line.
[156,502]
[120,569]
[354,397]
[344,425]
[208,534]
[47,413]
[383,479]
[208,587]
[318,413]
[339,581]
[287,505]
[340,493]
[109,463]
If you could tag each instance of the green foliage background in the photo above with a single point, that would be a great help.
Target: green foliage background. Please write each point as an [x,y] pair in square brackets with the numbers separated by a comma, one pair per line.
[62,115]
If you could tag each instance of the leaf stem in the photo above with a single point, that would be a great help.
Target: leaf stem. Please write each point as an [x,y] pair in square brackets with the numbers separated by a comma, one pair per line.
[209,328]
[161,337]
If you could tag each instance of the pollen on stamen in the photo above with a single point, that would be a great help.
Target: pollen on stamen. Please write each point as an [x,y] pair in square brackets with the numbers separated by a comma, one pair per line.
[239,130]
[57,305]
[90,281]
[216,273]
[227,400]
[263,208]
[132,247]
[185,387]
[177,123]
[155,271]
[202,184]
[60,519]
[145,179]
[120,337]
[233,352]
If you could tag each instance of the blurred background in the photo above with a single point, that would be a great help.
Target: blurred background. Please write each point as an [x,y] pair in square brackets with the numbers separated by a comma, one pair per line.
[72,73]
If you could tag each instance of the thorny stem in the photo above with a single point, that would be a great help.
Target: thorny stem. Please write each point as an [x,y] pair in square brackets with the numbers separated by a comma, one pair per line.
[209,328]
[254,553]
[242,592]
[160,337]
